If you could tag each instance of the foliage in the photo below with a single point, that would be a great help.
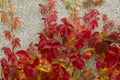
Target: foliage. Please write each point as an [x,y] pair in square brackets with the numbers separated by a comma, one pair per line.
[64,49]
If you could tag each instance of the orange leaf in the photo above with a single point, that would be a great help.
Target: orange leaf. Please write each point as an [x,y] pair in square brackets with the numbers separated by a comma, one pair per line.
[7,34]
[4,17]
[15,42]
[15,22]
[87,74]
[10,8]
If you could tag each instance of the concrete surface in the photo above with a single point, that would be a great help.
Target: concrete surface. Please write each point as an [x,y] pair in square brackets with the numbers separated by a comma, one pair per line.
[28,11]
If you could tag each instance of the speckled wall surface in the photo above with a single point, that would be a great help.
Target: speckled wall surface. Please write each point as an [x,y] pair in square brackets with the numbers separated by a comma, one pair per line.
[28,11]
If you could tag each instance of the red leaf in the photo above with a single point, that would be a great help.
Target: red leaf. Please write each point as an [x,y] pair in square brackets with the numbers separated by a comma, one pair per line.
[112,22]
[79,43]
[7,34]
[7,50]
[78,63]
[115,76]
[112,57]
[31,48]
[104,17]
[21,53]
[99,64]
[86,34]
[94,23]
[74,55]
[30,72]
[90,15]
[64,29]
[6,72]
[12,58]
[60,71]
[105,27]
[42,36]
[51,4]
[15,42]
[24,60]
[50,54]
[43,9]
[4,63]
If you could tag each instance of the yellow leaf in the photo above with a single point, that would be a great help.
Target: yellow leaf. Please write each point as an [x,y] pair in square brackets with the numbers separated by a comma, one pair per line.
[68,1]
[68,6]
[104,70]
[102,34]
[75,77]
[44,68]
[21,74]
[62,62]
[2,2]
[90,49]
[78,2]
[106,77]
[10,8]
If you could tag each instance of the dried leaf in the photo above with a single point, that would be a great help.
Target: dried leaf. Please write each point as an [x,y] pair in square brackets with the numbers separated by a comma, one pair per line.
[15,22]
[7,34]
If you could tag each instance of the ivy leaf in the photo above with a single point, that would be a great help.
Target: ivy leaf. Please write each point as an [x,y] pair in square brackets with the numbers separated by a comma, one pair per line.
[7,50]
[15,42]
[7,34]
[15,22]
[4,17]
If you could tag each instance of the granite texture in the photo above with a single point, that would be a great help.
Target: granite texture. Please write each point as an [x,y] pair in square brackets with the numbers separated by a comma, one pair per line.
[31,24]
